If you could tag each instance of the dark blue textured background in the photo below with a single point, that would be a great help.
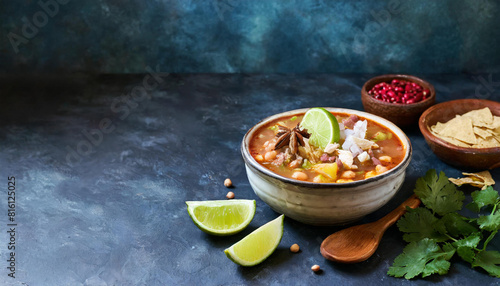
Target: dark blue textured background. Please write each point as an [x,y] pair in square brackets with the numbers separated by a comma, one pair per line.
[115,213]
[230,36]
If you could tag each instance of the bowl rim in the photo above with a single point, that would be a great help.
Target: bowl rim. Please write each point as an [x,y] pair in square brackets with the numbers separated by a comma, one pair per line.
[250,161]
[424,128]
[381,78]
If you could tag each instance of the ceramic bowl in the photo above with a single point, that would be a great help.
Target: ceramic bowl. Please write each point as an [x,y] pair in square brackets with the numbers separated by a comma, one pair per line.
[325,203]
[400,114]
[469,158]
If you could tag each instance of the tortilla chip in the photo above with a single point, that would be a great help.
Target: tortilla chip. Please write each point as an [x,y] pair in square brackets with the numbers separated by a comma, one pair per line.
[490,142]
[481,180]
[480,117]
[482,132]
[496,123]
[438,127]
[452,141]
[467,181]
[460,128]
[497,138]
[474,129]
[484,176]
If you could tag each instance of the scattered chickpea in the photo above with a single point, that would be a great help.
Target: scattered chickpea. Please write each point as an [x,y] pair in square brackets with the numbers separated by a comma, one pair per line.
[294,248]
[270,155]
[228,183]
[259,158]
[230,195]
[348,175]
[300,176]
[315,268]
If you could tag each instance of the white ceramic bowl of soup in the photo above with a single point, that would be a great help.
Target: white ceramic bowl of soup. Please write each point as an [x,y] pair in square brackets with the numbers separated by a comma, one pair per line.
[325,203]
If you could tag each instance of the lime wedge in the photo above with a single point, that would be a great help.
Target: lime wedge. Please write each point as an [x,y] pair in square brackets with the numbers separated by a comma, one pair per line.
[322,125]
[224,217]
[258,245]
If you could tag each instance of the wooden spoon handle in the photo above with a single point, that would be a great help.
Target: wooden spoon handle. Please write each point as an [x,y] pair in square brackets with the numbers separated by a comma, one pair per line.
[392,217]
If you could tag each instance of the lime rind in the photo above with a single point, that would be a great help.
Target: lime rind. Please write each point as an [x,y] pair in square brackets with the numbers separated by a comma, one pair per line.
[221,217]
[322,125]
[258,245]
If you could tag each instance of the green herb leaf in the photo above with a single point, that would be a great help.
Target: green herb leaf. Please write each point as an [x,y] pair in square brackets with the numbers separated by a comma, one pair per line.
[418,224]
[439,194]
[422,257]
[486,197]
[455,225]
[430,229]
[466,247]
[440,265]
[489,261]
[489,222]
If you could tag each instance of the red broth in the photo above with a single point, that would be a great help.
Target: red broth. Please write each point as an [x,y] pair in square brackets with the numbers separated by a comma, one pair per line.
[389,153]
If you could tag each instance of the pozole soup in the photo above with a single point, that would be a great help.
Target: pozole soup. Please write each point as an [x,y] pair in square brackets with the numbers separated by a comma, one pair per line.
[365,149]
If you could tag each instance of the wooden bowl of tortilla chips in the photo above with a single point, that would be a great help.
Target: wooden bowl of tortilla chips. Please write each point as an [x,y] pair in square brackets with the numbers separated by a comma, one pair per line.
[464,133]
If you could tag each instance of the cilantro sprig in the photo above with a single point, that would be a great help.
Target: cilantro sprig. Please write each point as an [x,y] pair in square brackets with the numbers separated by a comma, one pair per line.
[436,232]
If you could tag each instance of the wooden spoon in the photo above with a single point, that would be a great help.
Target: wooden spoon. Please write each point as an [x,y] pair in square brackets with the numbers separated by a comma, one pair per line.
[358,243]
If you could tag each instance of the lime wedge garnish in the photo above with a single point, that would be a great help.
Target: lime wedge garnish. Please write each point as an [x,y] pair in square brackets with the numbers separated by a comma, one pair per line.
[224,217]
[322,126]
[258,245]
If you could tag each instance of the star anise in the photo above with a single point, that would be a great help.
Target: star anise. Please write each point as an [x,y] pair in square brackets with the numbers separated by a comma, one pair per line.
[293,137]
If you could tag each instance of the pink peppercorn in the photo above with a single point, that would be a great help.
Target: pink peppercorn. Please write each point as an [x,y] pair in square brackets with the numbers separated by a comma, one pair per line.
[399,91]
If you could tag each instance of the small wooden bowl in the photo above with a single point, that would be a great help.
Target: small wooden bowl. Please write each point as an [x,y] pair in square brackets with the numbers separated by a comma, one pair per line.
[470,158]
[400,114]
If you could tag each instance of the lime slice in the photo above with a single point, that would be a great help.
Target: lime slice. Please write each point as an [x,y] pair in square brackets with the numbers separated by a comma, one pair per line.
[258,245]
[322,125]
[224,217]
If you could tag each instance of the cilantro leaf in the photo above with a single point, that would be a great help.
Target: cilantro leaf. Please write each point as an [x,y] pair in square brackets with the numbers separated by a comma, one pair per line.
[421,257]
[489,222]
[449,250]
[438,193]
[486,197]
[465,247]
[489,261]
[418,224]
[455,225]
[430,228]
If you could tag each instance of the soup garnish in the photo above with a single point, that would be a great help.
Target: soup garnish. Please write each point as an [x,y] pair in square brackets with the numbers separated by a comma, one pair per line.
[361,148]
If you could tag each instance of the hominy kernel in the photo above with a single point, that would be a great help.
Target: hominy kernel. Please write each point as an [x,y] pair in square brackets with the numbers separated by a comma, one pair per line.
[294,248]
[318,179]
[259,158]
[315,268]
[385,159]
[380,169]
[370,174]
[300,176]
[294,164]
[270,146]
[228,183]
[269,156]
[348,175]
[230,195]
[344,181]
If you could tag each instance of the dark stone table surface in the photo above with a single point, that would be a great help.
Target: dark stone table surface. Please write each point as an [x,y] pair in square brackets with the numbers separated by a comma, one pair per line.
[104,164]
